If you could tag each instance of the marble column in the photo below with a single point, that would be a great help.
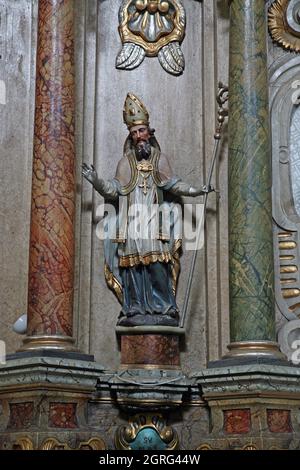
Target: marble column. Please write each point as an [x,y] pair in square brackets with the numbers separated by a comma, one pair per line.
[252,312]
[51,255]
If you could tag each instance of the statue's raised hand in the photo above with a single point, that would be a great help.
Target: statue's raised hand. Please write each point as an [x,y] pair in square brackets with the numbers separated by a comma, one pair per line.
[89,173]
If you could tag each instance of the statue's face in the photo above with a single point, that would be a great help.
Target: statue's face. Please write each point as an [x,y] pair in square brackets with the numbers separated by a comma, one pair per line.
[139,134]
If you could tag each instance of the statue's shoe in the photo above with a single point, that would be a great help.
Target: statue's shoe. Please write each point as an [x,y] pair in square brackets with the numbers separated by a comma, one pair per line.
[148,320]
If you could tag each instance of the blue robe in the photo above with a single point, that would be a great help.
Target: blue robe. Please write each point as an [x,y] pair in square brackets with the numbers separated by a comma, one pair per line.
[141,252]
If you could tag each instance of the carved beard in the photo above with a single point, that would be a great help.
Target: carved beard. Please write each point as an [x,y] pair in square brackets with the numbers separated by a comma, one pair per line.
[143,150]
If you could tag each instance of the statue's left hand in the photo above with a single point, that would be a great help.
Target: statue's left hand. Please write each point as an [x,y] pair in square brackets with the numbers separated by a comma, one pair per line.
[208,189]
[89,173]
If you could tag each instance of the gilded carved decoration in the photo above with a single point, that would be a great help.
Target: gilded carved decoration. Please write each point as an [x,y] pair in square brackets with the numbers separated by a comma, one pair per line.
[25,443]
[288,269]
[152,28]
[284,23]
[226,445]
[146,431]
[94,443]
[54,444]
[204,447]
[249,447]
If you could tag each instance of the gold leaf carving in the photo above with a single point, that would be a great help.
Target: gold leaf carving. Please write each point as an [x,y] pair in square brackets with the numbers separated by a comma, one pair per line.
[23,443]
[95,443]
[282,27]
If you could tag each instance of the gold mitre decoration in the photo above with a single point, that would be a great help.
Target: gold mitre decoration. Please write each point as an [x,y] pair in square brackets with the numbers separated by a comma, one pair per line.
[134,112]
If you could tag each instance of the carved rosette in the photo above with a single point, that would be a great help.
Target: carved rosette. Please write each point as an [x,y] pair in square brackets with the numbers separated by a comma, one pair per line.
[152,28]
[146,432]
[284,23]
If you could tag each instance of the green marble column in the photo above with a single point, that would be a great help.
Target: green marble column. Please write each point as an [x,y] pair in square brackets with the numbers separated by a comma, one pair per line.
[252,313]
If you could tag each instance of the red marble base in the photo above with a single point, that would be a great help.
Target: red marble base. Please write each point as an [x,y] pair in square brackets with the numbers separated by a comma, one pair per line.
[160,350]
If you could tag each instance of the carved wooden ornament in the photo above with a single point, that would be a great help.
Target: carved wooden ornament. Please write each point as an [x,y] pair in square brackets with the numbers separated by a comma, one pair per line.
[152,28]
